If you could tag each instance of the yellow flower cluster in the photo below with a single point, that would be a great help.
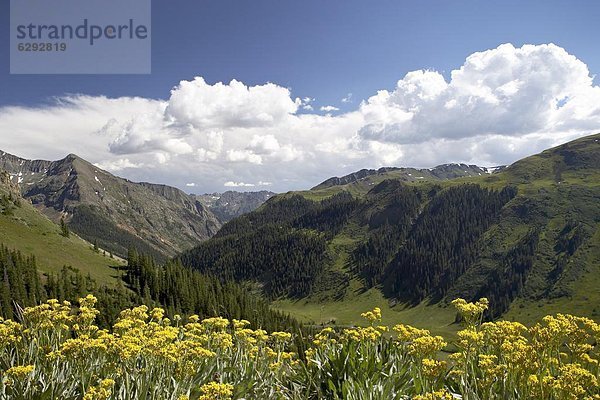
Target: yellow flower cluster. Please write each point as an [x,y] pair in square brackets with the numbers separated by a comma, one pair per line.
[145,354]
[433,369]
[142,347]
[471,312]
[9,333]
[372,316]
[368,334]
[20,372]
[100,392]
[557,358]
[442,394]
[216,391]
[418,342]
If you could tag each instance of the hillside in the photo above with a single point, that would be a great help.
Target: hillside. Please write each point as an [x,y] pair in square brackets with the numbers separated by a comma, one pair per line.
[113,212]
[24,228]
[230,204]
[526,236]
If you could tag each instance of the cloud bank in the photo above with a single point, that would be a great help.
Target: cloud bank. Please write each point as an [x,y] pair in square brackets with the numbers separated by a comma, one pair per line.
[500,105]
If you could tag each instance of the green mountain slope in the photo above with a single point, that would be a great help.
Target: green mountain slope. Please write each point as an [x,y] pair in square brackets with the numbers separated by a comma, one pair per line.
[525,236]
[24,228]
[116,213]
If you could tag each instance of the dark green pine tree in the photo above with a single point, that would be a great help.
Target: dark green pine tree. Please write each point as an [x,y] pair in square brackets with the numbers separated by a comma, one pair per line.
[64,229]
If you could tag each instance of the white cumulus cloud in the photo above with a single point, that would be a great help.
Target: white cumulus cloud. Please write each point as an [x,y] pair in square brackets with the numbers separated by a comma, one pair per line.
[505,91]
[238,184]
[499,105]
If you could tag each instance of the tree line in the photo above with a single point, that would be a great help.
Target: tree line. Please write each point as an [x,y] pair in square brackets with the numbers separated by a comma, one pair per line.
[177,289]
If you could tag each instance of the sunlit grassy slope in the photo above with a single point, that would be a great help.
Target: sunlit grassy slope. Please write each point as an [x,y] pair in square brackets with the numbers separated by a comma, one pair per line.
[32,233]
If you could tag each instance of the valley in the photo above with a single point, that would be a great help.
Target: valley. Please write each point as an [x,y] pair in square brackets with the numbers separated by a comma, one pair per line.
[345,245]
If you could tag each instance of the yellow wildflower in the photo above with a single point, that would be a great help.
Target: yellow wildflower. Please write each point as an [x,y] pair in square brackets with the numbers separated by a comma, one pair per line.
[20,372]
[471,312]
[281,336]
[426,346]
[372,316]
[432,368]
[100,392]
[216,391]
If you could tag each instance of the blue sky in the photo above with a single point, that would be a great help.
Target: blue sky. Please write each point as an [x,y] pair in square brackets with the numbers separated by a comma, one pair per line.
[504,101]
[321,49]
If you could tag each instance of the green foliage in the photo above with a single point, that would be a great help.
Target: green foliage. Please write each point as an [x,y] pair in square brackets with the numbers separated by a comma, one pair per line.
[64,229]
[19,280]
[179,290]
[8,204]
[186,291]
[281,245]
[444,241]
[506,283]
[396,205]
[419,240]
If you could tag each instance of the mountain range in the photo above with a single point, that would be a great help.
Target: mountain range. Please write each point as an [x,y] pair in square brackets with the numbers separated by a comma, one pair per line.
[526,236]
[117,214]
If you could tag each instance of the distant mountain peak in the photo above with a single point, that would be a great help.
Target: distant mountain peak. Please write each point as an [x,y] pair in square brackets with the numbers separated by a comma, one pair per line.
[439,172]
[157,219]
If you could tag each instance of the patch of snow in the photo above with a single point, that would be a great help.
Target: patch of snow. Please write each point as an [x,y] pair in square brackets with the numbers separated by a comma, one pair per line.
[20,180]
[409,174]
[491,170]
[96,178]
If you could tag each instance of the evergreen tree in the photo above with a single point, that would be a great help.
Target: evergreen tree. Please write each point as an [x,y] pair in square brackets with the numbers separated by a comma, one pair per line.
[64,229]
